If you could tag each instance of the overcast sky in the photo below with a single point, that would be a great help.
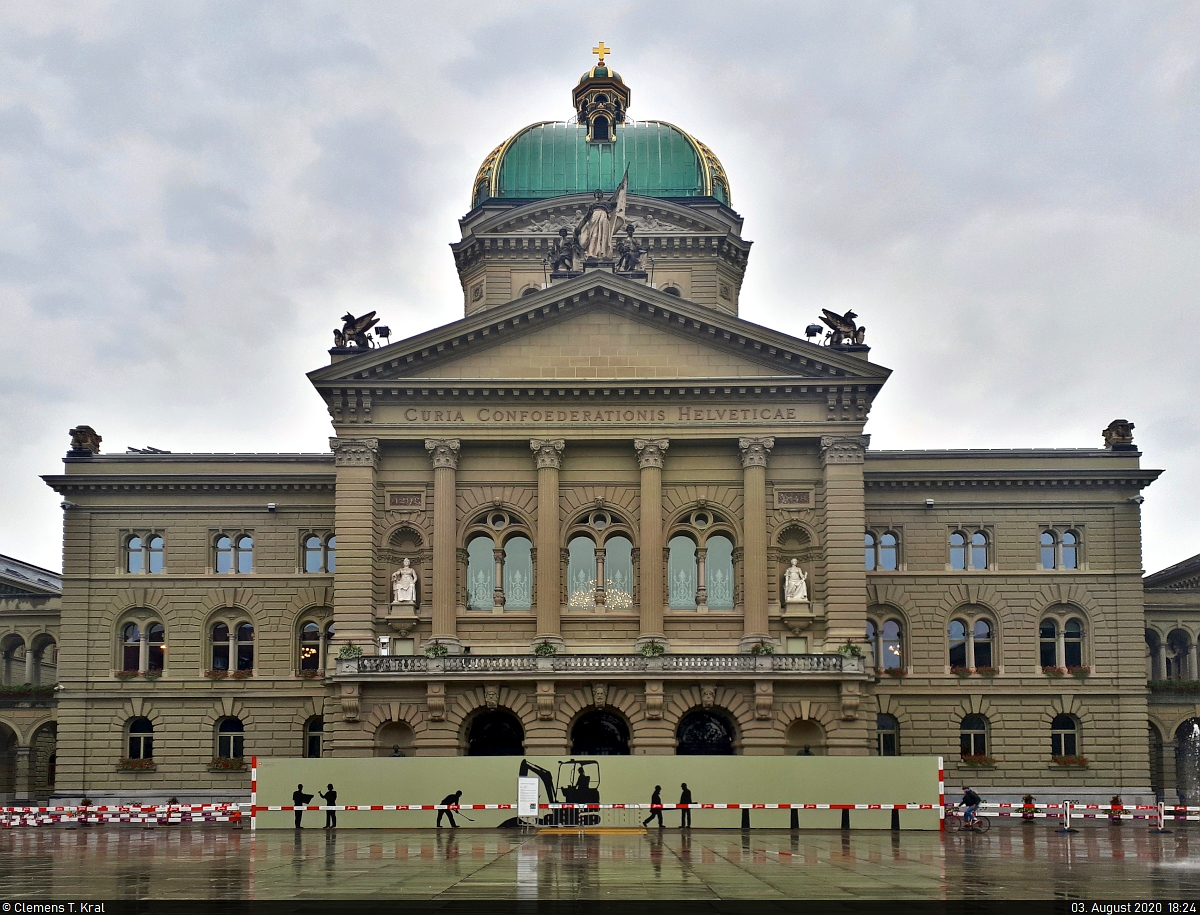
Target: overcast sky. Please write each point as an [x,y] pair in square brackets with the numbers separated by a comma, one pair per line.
[192,193]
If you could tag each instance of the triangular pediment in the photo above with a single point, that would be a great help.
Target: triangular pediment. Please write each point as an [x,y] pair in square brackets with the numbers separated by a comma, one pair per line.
[602,327]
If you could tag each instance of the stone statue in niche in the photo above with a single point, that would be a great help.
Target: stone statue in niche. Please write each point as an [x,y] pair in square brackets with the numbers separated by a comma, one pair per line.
[404,584]
[795,585]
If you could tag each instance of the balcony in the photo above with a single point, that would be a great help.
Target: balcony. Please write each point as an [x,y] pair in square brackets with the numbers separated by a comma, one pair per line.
[631,666]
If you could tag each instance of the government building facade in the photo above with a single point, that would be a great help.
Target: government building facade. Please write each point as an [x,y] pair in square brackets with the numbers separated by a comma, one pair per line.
[602,513]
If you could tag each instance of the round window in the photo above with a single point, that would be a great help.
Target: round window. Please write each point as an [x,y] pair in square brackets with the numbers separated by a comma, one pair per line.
[601,520]
[498,520]
[701,520]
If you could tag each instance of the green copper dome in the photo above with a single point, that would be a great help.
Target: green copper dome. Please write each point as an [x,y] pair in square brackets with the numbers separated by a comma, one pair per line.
[553,159]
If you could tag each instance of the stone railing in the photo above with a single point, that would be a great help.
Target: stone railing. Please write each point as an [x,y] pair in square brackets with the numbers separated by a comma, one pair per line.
[568,665]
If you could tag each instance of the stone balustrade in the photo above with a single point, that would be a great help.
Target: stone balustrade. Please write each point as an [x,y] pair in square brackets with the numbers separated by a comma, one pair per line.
[564,666]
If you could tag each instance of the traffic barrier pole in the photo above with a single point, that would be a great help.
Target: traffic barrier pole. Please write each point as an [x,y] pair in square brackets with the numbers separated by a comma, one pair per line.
[941,794]
[253,793]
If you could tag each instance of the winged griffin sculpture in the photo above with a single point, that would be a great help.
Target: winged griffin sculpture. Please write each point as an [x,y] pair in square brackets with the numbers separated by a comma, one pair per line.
[842,328]
[355,332]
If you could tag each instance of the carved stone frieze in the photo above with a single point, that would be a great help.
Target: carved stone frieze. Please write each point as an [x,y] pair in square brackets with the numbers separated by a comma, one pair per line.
[547,452]
[355,452]
[844,449]
[443,452]
[435,700]
[754,451]
[651,452]
[545,700]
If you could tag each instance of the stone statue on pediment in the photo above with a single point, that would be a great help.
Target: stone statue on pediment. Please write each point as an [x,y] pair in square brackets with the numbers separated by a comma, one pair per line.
[795,585]
[567,255]
[404,584]
[604,219]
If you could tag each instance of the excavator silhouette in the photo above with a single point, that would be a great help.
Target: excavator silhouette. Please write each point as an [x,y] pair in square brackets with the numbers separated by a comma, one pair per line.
[579,784]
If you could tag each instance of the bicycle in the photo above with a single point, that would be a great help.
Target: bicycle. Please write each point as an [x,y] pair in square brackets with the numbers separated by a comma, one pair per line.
[956,823]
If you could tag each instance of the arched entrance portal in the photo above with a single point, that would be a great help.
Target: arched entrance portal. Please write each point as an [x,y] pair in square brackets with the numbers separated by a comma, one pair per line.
[704,733]
[8,762]
[600,734]
[1187,761]
[43,758]
[496,733]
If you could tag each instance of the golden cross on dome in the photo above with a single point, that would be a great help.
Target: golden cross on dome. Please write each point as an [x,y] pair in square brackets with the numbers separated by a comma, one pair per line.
[601,51]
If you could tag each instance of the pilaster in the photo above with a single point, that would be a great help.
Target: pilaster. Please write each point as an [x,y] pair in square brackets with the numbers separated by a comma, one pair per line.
[357,462]
[754,452]
[443,455]
[842,458]
[651,455]
[547,457]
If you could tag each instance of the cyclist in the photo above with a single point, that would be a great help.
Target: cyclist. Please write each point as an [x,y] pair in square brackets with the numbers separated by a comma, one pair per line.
[970,803]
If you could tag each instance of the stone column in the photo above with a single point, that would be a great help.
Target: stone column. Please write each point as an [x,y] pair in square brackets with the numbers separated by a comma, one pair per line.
[443,454]
[547,457]
[651,454]
[1191,663]
[1162,661]
[842,458]
[754,453]
[357,460]
[498,589]
[23,787]
[601,593]
[701,587]
[29,659]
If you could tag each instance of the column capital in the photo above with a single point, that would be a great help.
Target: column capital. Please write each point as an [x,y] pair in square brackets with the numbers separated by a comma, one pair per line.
[547,452]
[355,452]
[443,452]
[844,449]
[651,452]
[755,450]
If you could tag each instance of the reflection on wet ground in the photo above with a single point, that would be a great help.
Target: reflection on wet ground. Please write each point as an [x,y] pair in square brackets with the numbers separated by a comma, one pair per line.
[206,862]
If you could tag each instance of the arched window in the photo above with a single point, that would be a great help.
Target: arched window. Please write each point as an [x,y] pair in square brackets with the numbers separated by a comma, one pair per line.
[310,647]
[529,290]
[1072,644]
[718,572]
[672,290]
[230,739]
[982,632]
[141,739]
[314,732]
[233,554]
[156,647]
[1064,736]
[618,573]
[518,574]
[330,632]
[131,647]
[1070,550]
[600,130]
[600,733]
[886,640]
[703,732]
[681,573]
[804,737]
[1049,544]
[889,552]
[1154,660]
[972,736]
[969,551]
[1048,643]
[481,574]
[581,574]
[496,733]
[881,551]
[394,739]
[887,735]
[220,647]
[144,554]
[1178,643]
[245,647]
[972,642]
[958,643]
[314,559]
[320,553]
[979,550]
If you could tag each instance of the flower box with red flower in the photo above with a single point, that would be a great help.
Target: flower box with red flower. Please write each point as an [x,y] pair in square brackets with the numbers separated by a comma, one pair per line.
[1055,672]
[242,674]
[227,763]
[988,672]
[216,674]
[310,674]
[154,673]
[896,672]
[1080,673]
[961,672]
[127,674]
[137,765]
[978,761]
[1070,762]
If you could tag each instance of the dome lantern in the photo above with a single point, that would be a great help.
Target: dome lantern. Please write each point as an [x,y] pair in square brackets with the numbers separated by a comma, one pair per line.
[601,99]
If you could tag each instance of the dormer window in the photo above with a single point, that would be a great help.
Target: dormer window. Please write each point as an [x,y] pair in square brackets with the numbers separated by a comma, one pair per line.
[600,130]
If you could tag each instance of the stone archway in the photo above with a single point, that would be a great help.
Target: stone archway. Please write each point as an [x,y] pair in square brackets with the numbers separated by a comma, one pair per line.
[705,732]
[495,733]
[1187,761]
[8,762]
[43,752]
[600,733]
[805,738]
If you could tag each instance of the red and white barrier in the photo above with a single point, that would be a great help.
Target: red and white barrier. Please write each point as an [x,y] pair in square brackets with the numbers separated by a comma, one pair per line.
[123,813]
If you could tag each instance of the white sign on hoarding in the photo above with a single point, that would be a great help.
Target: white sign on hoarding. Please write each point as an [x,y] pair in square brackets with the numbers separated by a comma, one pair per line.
[527,797]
